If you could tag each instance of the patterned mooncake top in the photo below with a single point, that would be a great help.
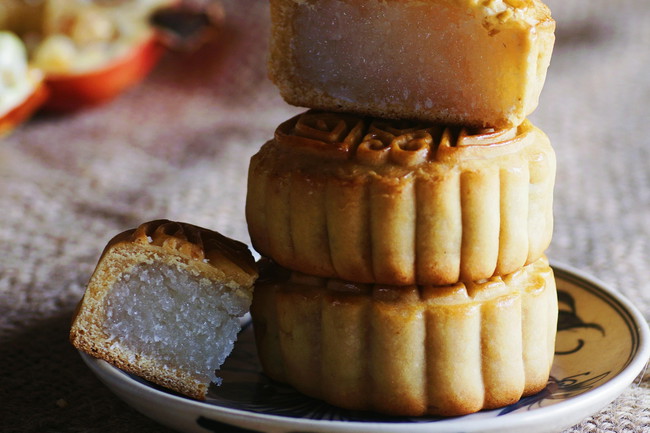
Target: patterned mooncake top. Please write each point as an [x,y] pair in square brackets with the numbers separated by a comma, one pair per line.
[373,141]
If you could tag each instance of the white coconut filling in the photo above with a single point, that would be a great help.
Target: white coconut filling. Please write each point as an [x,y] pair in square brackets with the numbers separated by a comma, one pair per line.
[184,321]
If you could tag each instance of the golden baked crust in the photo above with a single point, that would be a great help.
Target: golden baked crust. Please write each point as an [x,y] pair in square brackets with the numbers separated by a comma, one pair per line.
[210,252]
[395,202]
[412,351]
[478,63]
[217,263]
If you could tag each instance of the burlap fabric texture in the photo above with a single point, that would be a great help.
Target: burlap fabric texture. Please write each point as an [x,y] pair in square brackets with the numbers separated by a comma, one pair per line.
[178,147]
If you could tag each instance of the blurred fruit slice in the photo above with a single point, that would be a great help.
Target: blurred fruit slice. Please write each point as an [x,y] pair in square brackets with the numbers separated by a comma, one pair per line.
[73,91]
[91,52]
[21,88]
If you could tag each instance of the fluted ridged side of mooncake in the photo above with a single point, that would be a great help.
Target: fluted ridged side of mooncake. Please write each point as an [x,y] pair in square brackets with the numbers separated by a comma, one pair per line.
[414,350]
[390,202]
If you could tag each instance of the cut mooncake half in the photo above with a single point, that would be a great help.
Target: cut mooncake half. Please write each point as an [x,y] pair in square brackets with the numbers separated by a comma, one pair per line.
[418,350]
[470,62]
[395,202]
[164,304]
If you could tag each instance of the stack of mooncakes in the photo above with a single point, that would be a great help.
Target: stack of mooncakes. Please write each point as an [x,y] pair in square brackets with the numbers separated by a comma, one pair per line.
[403,219]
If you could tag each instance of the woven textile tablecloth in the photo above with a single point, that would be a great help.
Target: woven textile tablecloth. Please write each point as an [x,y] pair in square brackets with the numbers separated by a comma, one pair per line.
[178,147]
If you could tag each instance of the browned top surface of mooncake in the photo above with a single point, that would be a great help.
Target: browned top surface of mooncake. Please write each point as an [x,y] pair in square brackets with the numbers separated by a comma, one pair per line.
[373,141]
[189,241]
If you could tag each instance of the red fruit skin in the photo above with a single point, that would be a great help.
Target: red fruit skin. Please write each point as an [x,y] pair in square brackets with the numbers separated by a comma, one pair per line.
[23,111]
[72,92]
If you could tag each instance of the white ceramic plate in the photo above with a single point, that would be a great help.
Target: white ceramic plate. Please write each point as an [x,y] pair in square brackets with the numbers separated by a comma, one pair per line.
[602,346]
